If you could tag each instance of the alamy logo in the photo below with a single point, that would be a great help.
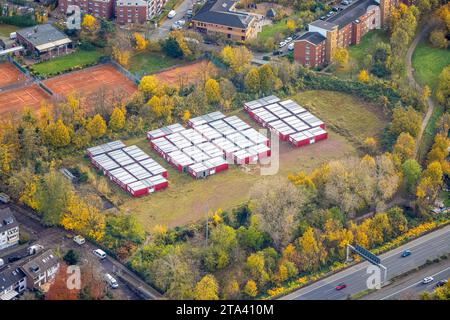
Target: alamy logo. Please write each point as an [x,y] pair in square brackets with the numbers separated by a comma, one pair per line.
[73,21]
[73,278]
[374,279]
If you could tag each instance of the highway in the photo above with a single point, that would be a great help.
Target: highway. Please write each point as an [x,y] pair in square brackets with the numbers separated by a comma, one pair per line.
[427,247]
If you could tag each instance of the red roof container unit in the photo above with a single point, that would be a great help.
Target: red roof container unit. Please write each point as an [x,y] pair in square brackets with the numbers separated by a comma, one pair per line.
[292,107]
[216,165]
[301,139]
[158,133]
[256,137]
[240,140]
[263,117]
[296,124]
[281,129]
[222,127]
[244,157]
[137,189]
[236,123]
[227,147]
[159,182]
[179,160]
[198,171]
[105,148]
[319,133]
[163,146]
[261,150]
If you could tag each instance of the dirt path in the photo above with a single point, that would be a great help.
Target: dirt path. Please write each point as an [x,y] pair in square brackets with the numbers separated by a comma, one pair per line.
[415,85]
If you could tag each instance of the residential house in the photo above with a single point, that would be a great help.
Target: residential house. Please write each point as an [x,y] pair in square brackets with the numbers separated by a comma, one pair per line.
[220,16]
[98,8]
[9,229]
[13,281]
[40,269]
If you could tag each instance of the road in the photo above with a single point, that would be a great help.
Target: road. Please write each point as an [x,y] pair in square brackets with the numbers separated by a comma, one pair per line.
[131,287]
[426,247]
[163,30]
[410,286]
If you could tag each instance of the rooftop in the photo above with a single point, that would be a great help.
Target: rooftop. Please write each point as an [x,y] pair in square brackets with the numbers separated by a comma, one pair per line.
[10,276]
[7,220]
[351,13]
[43,34]
[222,12]
[324,24]
[313,37]
[40,263]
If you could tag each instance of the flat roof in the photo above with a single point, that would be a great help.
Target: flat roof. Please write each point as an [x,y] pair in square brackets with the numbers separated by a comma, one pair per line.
[351,13]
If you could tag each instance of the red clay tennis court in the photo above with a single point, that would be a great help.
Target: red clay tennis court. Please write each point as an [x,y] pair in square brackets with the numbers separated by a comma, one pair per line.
[90,80]
[17,99]
[9,74]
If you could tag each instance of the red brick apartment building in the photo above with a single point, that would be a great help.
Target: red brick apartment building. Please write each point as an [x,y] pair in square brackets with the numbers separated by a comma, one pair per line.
[346,27]
[98,8]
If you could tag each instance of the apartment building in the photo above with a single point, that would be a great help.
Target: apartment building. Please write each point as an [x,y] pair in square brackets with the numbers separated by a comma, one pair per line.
[103,9]
[9,229]
[220,16]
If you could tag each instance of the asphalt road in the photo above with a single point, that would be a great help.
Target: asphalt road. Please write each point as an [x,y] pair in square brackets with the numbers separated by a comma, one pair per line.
[427,247]
[163,30]
[410,286]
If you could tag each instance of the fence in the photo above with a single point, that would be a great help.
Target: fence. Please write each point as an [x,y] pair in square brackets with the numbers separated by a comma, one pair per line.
[122,70]
[18,66]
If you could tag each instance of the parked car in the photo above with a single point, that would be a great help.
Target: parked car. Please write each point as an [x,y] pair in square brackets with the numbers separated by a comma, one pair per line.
[189,13]
[345,3]
[406,253]
[4,198]
[79,239]
[99,253]
[322,18]
[277,52]
[441,283]
[282,44]
[171,14]
[341,286]
[14,258]
[427,280]
[288,39]
[111,281]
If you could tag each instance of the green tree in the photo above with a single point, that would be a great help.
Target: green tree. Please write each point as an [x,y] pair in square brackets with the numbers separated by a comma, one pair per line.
[411,172]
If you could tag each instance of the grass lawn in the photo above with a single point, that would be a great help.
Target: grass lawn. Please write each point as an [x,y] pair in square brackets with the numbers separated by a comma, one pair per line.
[149,62]
[271,30]
[186,199]
[428,63]
[6,29]
[54,66]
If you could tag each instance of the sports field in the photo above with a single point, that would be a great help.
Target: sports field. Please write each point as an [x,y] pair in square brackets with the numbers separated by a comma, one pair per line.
[91,80]
[9,74]
[187,74]
[17,99]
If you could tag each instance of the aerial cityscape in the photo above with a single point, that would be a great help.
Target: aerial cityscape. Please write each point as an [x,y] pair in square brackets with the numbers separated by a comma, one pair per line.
[231,150]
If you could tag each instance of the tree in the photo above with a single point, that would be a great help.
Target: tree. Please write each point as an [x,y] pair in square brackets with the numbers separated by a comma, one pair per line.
[340,57]
[405,146]
[238,58]
[290,24]
[117,120]
[57,134]
[149,85]
[252,81]
[212,91]
[363,76]
[93,286]
[89,23]
[411,171]
[276,203]
[172,48]
[207,289]
[140,42]
[71,257]
[312,252]
[370,144]
[398,221]
[430,183]
[256,267]
[96,127]
[443,89]
[231,290]
[251,289]
[381,229]
[267,78]
[122,56]
[406,120]
[438,39]
[186,116]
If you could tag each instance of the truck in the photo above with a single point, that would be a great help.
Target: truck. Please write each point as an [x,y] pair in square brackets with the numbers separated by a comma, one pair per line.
[35,249]
[172,13]
[79,239]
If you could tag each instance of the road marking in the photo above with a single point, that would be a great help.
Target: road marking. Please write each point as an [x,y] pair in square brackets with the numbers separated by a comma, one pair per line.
[393,294]
[358,267]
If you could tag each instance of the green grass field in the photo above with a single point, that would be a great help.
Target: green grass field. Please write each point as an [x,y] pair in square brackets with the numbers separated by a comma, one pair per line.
[77,59]
[360,51]
[149,62]
[6,29]
[271,30]
[186,199]
[428,63]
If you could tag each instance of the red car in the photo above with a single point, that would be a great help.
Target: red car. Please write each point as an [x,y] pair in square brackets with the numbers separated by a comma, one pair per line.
[341,286]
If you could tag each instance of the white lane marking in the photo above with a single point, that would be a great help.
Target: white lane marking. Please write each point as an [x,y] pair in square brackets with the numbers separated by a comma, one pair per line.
[414,284]
[414,243]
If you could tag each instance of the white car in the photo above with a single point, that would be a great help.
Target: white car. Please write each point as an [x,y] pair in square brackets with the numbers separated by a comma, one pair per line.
[289,39]
[282,44]
[427,280]
[99,253]
[79,239]
[291,46]
[172,13]
[111,281]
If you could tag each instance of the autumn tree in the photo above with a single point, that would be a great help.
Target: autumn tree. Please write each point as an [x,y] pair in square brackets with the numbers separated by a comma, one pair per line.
[440,151]
[256,267]
[290,24]
[212,91]
[371,145]
[122,56]
[363,76]
[89,22]
[57,134]
[252,81]
[117,120]
[312,252]
[406,120]
[150,85]
[340,57]
[405,147]
[443,89]
[237,58]
[96,127]
[430,183]
[380,228]
[231,290]
[268,80]
[438,39]
[251,289]
[276,204]
[140,43]
[398,221]
[207,289]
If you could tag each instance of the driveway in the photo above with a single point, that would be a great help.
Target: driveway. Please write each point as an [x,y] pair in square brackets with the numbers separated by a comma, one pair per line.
[163,30]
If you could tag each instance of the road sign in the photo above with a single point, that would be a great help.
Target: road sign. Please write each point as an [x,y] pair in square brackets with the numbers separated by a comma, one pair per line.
[366,254]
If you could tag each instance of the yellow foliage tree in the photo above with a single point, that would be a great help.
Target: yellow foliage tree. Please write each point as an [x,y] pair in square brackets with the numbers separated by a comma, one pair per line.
[57,134]
[149,85]
[117,120]
[405,146]
[207,289]
[89,23]
[290,24]
[363,76]
[186,116]
[340,56]
[251,289]
[212,91]
[140,43]
[122,56]
[96,126]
